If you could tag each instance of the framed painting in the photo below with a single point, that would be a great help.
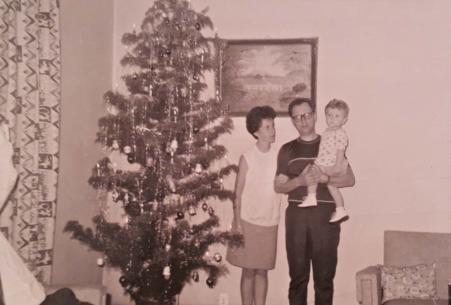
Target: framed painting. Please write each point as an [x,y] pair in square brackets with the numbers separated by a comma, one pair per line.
[266,72]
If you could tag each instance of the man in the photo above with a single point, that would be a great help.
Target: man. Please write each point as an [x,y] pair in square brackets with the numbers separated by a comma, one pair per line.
[310,238]
[18,286]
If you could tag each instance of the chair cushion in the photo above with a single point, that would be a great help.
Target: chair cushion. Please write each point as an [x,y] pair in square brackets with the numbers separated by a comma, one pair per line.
[408,282]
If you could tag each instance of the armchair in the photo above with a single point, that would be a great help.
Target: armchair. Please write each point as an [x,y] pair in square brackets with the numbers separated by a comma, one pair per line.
[407,249]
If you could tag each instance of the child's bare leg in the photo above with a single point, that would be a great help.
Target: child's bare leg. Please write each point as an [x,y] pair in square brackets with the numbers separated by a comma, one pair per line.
[310,199]
[340,213]
[336,195]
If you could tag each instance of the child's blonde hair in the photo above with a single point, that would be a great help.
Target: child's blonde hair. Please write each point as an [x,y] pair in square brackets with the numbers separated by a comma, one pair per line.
[338,104]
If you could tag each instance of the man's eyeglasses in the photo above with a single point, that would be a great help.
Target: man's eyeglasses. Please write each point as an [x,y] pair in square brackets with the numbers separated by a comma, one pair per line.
[304,116]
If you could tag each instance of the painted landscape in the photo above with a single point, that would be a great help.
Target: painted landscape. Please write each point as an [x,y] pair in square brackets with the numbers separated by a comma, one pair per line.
[265,74]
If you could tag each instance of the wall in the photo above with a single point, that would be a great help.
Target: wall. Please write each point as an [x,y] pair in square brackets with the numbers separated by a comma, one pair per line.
[390,60]
[86,47]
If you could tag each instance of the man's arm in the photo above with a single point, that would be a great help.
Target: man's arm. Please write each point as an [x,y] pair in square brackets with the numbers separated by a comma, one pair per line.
[282,184]
[346,180]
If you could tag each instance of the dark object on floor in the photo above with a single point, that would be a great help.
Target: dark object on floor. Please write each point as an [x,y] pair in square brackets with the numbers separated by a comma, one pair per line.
[63,296]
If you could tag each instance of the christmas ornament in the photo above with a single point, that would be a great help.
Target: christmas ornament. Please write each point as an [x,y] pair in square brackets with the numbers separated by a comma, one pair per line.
[131,158]
[174,145]
[171,183]
[175,113]
[146,263]
[191,210]
[114,195]
[127,149]
[167,247]
[100,262]
[198,168]
[98,169]
[211,211]
[123,281]
[180,215]
[204,206]
[113,110]
[166,272]
[211,282]
[195,276]
[115,145]
[217,257]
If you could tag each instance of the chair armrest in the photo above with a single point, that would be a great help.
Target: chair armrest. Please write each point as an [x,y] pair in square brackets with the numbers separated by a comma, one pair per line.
[369,291]
[92,293]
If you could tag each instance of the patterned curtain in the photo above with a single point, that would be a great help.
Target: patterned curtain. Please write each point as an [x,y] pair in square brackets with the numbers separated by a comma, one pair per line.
[30,103]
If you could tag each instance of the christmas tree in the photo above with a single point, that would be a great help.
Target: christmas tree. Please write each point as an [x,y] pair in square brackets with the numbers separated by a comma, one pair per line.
[161,141]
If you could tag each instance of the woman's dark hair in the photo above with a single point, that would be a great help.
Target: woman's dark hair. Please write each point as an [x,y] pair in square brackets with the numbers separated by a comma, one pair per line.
[256,115]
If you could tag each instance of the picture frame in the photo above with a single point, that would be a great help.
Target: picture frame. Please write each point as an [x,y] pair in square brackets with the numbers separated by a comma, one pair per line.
[266,72]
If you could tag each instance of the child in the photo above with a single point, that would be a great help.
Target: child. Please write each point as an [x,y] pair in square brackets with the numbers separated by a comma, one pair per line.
[331,156]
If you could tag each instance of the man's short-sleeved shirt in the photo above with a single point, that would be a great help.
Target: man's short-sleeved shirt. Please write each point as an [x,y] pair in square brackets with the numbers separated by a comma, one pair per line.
[293,157]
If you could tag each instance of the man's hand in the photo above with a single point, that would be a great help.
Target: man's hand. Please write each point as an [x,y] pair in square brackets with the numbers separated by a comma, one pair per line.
[309,176]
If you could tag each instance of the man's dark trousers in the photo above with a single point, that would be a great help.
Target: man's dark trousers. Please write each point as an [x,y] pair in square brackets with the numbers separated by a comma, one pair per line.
[311,238]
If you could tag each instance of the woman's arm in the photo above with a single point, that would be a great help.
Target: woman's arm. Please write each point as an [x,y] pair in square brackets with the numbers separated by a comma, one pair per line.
[240,181]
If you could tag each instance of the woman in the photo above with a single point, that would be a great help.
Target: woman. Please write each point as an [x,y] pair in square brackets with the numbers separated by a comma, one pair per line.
[256,208]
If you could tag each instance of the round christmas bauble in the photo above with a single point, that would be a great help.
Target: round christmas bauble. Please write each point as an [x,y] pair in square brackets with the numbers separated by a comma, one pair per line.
[149,162]
[131,158]
[123,281]
[204,206]
[100,262]
[180,215]
[217,257]
[127,149]
[211,282]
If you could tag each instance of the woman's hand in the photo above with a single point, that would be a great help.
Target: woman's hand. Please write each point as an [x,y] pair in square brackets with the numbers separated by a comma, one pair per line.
[236,226]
